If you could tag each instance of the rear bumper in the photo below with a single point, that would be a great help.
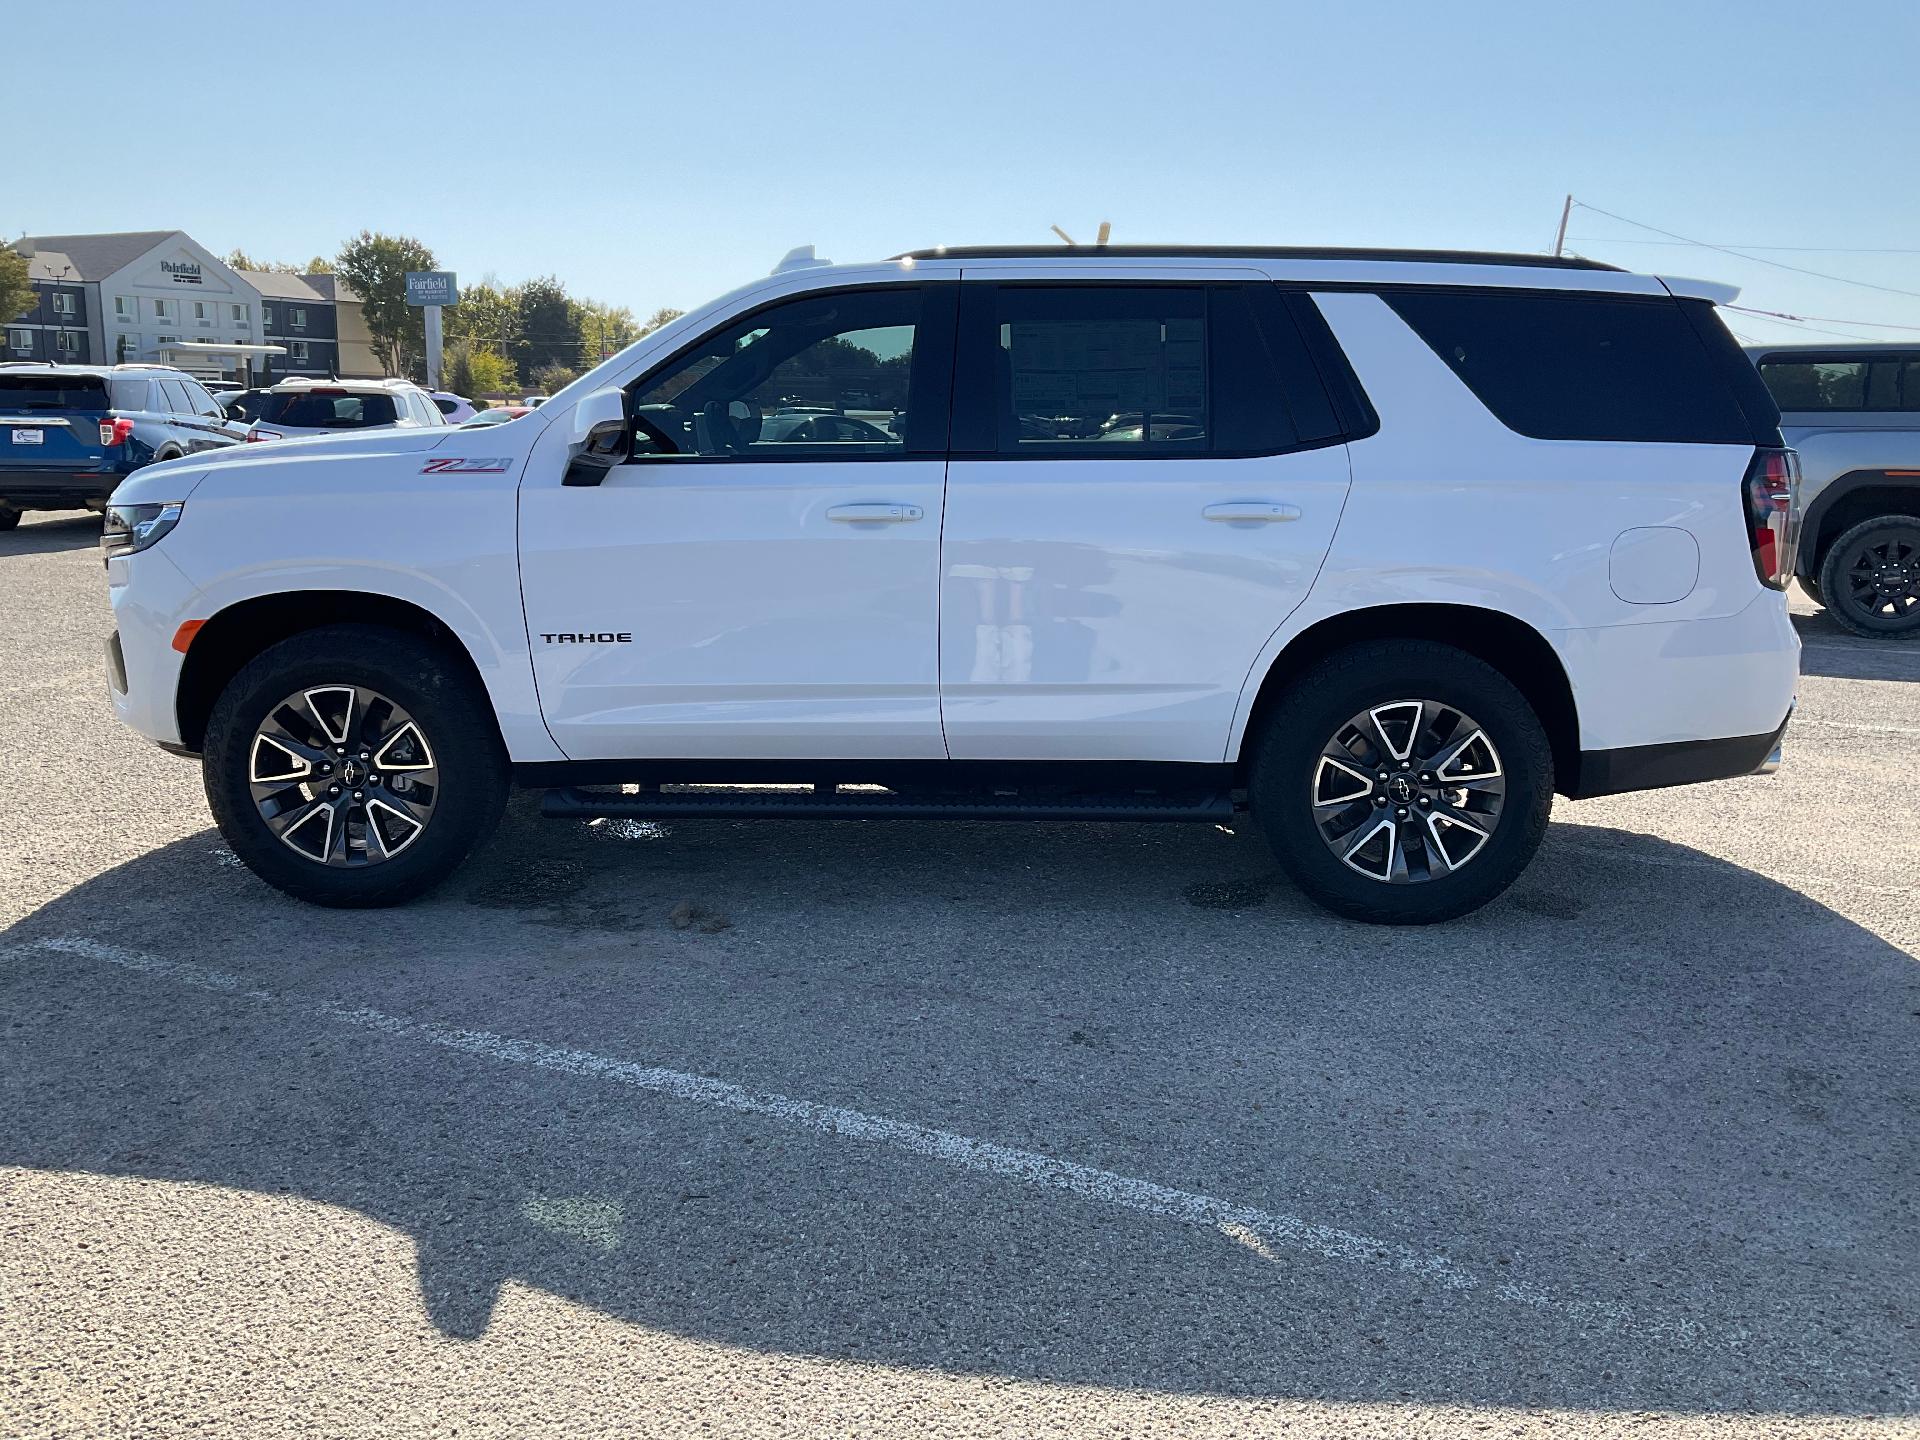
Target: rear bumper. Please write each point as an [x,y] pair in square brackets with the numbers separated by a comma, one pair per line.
[56,489]
[1680,762]
[1667,685]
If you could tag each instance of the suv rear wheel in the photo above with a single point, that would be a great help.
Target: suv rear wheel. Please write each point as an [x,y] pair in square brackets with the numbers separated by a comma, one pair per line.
[353,766]
[9,518]
[1403,782]
[1870,579]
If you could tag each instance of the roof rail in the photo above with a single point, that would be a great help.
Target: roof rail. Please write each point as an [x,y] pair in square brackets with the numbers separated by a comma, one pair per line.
[1256,252]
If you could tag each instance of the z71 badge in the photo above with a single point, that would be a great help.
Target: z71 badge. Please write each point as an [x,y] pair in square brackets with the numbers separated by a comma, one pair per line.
[497,465]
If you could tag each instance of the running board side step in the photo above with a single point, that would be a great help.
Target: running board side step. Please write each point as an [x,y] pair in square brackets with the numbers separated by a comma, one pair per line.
[572,803]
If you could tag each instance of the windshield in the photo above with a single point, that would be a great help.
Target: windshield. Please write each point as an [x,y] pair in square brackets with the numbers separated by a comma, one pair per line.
[328,410]
[21,394]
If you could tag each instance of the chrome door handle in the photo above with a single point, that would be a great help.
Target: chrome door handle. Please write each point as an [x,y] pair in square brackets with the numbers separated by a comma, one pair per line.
[874,512]
[1258,511]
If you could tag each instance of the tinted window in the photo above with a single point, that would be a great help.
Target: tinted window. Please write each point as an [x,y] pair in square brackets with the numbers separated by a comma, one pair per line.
[176,397]
[244,404]
[328,410]
[779,384]
[130,393]
[22,393]
[1110,371]
[1580,367]
[202,402]
[1806,382]
[446,407]
[1106,366]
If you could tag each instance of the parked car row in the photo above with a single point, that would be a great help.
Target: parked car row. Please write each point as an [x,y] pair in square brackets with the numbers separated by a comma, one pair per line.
[69,434]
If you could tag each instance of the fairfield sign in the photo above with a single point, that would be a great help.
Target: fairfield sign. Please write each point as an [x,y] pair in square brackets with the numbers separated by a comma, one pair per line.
[184,272]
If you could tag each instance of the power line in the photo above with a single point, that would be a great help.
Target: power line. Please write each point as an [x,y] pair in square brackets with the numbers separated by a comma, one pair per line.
[1812,249]
[1743,255]
[1829,319]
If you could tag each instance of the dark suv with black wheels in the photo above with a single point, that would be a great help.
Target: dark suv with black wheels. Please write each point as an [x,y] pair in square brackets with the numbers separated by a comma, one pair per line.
[70,433]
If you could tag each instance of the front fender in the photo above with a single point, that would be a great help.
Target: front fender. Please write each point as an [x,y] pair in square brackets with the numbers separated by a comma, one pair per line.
[445,543]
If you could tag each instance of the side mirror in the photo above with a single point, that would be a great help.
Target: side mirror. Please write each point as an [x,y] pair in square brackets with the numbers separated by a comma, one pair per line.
[601,437]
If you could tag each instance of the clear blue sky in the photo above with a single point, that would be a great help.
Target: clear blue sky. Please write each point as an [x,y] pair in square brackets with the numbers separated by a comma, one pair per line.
[652,154]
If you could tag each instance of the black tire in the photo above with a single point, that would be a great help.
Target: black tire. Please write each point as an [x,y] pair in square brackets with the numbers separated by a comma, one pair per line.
[470,764]
[9,519]
[1885,549]
[1316,709]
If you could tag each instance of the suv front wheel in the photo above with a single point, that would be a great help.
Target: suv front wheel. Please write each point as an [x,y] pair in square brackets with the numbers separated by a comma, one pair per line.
[1403,782]
[353,765]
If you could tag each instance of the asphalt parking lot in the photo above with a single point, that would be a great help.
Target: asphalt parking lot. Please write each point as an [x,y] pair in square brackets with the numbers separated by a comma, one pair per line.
[869,1129]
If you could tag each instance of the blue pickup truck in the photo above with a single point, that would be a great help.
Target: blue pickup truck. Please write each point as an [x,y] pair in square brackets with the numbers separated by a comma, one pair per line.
[70,433]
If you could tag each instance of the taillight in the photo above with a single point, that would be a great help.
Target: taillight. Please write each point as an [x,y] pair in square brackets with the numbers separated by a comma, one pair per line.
[1772,491]
[115,432]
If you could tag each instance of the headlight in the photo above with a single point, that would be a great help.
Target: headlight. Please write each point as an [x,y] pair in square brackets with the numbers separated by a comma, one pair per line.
[130,529]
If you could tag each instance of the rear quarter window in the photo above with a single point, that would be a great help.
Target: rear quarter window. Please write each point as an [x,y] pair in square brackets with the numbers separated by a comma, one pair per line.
[1581,367]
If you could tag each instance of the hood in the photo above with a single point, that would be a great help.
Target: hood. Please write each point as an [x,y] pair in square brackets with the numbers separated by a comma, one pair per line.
[177,479]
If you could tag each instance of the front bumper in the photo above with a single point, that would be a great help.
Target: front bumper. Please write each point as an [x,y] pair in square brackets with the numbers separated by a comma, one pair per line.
[143,668]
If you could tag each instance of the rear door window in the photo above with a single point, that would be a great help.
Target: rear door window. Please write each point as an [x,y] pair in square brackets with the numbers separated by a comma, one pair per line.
[1580,367]
[130,393]
[1104,371]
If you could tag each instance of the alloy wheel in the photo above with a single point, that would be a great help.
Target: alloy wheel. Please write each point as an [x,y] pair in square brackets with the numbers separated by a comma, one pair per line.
[1408,791]
[1882,579]
[343,775]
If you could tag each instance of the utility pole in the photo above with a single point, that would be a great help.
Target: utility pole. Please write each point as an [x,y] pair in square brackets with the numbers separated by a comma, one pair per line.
[1560,237]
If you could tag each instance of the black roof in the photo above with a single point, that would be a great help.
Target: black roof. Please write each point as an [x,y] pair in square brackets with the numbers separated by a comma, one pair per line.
[1256,252]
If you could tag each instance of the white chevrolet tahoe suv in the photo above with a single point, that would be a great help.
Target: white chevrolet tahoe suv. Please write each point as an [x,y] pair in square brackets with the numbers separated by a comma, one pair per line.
[1382,548]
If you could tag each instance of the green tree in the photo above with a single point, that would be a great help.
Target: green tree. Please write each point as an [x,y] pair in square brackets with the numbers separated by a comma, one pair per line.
[376,267]
[604,329]
[456,367]
[486,315]
[665,315]
[546,329]
[319,265]
[16,290]
[549,378]
[492,373]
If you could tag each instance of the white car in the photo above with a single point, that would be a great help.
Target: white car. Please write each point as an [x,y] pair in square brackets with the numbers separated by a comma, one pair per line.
[1394,546]
[294,408]
[457,408]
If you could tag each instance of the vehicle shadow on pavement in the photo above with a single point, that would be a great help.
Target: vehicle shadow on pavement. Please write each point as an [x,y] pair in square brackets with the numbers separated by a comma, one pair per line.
[43,537]
[1827,649]
[1637,1137]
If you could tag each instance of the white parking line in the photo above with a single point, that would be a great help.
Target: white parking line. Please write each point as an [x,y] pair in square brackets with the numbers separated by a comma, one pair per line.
[1856,725]
[1262,1231]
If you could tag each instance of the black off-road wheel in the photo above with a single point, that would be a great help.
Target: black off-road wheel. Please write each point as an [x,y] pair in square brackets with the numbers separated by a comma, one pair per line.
[1403,782]
[1870,579]
[354,765]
